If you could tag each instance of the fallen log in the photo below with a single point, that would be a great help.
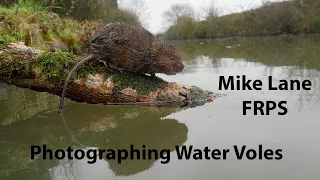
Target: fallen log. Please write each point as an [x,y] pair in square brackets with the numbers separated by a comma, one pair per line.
[45,72]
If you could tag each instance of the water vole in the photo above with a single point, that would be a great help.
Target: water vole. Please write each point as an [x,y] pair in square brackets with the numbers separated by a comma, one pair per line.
[127,47]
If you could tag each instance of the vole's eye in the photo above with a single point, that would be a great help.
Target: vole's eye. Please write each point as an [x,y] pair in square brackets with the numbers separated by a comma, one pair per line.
[171,57]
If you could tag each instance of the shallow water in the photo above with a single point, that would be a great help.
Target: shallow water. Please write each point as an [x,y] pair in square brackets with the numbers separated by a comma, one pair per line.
[30,118]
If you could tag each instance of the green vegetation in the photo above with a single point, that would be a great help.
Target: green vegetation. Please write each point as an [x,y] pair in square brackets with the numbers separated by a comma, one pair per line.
[14,67]
[35,26]
[5,40]
[142,83]
[51,25]
[288,17]
[55,64]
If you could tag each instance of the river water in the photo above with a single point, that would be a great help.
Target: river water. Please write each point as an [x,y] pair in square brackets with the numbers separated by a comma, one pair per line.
[30,118]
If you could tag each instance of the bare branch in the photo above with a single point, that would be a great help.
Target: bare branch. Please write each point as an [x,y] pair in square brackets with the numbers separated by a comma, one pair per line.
[177,11]
[210,10]
[139,8]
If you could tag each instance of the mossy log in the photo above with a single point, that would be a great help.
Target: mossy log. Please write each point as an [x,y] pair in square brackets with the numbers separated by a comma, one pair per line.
[45,72]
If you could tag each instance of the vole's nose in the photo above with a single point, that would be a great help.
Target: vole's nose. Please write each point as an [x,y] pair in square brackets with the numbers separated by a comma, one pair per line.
[180,67]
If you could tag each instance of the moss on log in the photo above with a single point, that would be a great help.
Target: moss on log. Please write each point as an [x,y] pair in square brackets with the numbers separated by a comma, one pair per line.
[46,71]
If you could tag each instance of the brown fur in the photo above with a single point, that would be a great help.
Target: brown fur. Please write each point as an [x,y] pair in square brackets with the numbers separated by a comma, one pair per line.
[129,48]
[132,48]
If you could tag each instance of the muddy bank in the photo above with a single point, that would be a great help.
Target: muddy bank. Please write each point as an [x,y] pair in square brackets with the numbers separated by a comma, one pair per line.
[45,72]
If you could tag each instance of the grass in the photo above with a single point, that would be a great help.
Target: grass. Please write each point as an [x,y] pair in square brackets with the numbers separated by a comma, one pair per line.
[36,24]
[38,27]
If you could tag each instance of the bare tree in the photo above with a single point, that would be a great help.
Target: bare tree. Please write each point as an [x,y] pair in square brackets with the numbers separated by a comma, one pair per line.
[265,2]
[177,11]
[210,10]
[139,8]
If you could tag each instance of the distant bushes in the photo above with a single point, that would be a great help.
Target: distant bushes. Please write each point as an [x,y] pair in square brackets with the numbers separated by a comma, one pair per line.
[93,9]
[288,17]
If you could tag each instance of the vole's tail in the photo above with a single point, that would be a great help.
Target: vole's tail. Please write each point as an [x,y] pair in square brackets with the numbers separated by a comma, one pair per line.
[69,77]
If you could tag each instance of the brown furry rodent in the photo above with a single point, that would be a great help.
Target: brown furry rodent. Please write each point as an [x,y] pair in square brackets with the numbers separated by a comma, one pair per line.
[129,48]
